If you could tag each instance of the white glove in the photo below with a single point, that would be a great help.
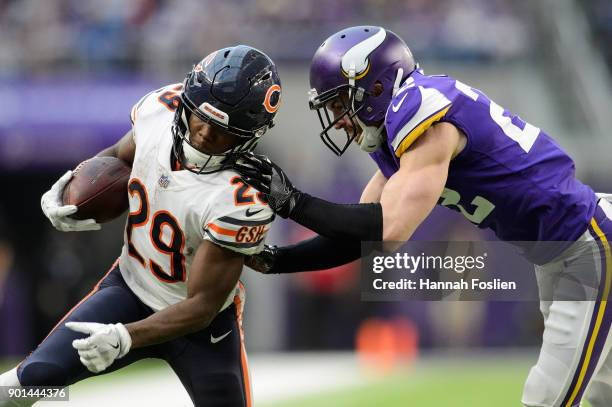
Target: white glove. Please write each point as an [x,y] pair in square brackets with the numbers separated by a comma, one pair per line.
[105,343]
[54,209]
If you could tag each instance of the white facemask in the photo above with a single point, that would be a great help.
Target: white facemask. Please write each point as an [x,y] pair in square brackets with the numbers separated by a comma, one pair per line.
[371,137]
[198,159]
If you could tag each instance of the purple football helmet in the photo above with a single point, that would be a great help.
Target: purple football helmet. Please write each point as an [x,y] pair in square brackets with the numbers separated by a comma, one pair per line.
[351,62]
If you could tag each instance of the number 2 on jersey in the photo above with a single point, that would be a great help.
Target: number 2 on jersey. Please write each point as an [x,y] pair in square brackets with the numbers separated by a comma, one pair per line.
[160,219]
[524,137]
[483,207]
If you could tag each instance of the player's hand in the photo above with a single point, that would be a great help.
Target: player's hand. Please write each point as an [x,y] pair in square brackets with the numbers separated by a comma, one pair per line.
[269,179]
[105,343]
[263,261]
[53,207]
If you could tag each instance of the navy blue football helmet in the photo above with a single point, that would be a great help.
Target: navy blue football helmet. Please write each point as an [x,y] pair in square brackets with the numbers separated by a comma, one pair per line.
[236,89]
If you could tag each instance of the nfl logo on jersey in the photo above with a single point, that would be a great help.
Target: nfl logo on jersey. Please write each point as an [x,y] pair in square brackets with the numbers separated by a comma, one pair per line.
[164,181]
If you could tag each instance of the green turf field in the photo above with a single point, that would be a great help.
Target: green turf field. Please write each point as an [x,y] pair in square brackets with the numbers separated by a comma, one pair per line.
[432,382]
[476,383]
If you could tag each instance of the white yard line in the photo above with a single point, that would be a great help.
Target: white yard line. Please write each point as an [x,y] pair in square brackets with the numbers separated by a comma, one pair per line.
[275,377]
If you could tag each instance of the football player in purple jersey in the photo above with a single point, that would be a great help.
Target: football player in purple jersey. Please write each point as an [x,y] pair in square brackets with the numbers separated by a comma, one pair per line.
[439,141]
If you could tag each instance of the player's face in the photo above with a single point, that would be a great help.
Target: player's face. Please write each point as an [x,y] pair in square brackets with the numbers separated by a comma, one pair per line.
[337,108]
[210,139]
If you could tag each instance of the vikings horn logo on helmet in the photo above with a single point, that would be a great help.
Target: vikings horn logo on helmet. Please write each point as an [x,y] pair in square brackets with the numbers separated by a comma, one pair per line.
[357,56]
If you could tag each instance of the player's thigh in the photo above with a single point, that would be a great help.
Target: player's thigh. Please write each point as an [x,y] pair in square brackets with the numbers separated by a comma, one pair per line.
[55,362]
[211,363]
[576,333]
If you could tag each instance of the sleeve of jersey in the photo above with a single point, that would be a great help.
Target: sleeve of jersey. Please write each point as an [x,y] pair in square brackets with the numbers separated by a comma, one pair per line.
[160,100]
[428,107]
[242,230]
[137,106]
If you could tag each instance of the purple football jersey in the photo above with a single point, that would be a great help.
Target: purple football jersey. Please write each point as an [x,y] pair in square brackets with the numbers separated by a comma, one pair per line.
[511,177]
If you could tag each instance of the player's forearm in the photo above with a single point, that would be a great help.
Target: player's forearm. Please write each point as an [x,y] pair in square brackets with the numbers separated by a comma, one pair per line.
[360,222]
[318,253]
[185,317]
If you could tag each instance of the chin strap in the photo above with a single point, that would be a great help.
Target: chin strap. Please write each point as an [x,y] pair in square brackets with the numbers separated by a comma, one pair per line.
[372,136]
[198,159]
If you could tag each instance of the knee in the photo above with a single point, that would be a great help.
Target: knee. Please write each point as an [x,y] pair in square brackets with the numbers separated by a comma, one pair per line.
[42,374]
[540,389]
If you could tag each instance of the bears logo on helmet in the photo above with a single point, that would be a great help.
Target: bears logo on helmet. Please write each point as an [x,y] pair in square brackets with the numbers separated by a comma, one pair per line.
[236,89]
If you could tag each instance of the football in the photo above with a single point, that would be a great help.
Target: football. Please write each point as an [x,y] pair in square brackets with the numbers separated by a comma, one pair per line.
[98,188]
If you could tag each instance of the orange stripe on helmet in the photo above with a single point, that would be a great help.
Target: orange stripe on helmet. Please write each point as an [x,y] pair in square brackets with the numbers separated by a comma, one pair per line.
[267,104]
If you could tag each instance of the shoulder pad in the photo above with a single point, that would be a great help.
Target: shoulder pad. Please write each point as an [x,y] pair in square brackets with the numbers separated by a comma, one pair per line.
[411,112]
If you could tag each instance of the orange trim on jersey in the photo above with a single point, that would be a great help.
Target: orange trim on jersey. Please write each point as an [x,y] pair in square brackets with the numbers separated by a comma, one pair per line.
[244,198]
[222,231]
[243,357]
[131,192]
[133,114]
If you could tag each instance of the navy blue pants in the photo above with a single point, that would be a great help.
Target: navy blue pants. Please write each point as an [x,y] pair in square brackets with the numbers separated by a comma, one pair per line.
[214,374]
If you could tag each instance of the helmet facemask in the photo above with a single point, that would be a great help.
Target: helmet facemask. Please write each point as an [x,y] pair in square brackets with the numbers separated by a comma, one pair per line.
[236,91]
[350,108]
[199,162]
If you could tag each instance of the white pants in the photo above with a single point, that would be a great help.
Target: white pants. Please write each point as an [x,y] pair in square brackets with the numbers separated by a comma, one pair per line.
[575,362]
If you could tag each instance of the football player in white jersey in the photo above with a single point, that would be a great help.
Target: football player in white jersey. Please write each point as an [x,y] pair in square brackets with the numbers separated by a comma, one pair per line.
[174,293]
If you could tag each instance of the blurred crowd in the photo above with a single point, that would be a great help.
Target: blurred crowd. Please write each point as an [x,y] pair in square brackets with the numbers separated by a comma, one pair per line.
[51,35]
[599,13]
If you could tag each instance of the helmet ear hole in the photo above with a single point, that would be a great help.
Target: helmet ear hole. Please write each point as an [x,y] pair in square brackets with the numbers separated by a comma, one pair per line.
[378,89]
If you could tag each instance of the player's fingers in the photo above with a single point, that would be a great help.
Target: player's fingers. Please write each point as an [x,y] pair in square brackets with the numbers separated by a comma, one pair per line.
[61,183]
[245,170]
[99,366]
[65,210]
[89,365]
[257,184]
[81,344]
[83,327]
[87,224]
[70,225]
[89,354]
[255,162]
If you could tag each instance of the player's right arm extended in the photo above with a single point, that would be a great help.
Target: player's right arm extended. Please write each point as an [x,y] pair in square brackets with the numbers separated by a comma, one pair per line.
[213,275]
[320,252]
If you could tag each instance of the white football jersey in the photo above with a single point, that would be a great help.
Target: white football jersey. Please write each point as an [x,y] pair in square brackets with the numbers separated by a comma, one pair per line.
[172,212]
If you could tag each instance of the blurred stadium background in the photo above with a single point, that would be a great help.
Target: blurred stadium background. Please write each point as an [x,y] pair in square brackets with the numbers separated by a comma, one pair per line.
[70,71]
